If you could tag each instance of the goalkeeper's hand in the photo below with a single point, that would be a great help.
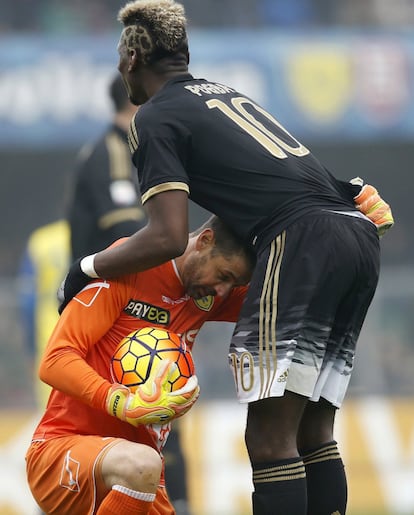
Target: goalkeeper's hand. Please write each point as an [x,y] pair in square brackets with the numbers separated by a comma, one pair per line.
[369,202]
[152,402]
[76,279]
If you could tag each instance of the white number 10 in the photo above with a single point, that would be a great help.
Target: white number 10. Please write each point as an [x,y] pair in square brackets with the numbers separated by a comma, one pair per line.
[256,129]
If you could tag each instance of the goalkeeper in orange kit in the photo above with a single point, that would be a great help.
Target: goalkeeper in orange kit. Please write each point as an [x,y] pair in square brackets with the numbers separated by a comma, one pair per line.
[98,446]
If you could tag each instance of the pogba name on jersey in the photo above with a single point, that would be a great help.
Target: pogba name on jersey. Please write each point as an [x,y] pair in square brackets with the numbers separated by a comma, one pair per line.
[209,88]
[147,312]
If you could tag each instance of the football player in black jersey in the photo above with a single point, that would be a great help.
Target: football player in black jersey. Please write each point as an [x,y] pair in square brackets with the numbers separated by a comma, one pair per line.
[105,199]
[317,268]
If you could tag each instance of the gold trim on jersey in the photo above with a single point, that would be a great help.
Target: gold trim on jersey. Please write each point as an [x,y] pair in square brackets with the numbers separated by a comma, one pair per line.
[120,215]
[133,135]
[268,315]
[166,186]
[119,157]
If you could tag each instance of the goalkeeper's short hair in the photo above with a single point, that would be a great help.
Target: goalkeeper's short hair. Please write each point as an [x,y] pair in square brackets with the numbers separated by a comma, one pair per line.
[227,243]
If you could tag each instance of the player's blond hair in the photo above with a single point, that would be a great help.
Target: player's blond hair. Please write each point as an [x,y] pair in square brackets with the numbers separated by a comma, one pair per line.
[154,28]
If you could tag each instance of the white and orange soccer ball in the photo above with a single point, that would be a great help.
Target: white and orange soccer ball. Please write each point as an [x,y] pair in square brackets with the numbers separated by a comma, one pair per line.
[138,352]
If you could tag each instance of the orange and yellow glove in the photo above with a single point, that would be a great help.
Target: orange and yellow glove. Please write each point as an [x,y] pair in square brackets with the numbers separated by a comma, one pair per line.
[152,402]
[369,202]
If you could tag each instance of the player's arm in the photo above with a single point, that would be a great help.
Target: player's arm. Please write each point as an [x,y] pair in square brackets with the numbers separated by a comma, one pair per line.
[64,366]
[160,156]
[368,201]
[164,237]
[84,323]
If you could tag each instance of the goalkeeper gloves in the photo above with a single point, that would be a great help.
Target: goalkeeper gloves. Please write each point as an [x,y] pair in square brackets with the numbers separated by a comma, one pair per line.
[152,402]
[373,206]
[80,274]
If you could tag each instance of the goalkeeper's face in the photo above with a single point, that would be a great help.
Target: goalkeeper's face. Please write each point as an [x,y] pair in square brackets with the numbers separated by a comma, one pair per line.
[207,272]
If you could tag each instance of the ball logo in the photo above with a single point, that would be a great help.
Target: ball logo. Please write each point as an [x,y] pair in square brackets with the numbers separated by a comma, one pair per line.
[205,303]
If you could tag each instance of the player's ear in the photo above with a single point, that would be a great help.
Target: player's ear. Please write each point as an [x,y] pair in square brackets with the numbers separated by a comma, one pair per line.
[134,60]
[205,239]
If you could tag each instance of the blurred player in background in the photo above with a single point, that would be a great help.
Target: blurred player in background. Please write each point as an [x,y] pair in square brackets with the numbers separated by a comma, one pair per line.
[318,256]
[105,203]
[43,265]
[105,206]
[93,450]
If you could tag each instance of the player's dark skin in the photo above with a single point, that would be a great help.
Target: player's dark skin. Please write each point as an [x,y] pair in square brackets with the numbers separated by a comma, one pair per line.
[276,427]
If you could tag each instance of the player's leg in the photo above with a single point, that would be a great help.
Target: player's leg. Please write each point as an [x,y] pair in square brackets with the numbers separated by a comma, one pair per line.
[262,353]
[60,472]
[131,472]
[76,474]
[278,470]
[325,472]
[283,333]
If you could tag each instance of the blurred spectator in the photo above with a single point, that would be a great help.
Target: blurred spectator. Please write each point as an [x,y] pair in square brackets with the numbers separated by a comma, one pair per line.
[97,16]
[11,19]
[71,16]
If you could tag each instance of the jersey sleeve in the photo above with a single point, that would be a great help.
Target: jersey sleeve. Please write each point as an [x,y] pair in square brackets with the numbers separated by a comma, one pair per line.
[82,325]
[159,147]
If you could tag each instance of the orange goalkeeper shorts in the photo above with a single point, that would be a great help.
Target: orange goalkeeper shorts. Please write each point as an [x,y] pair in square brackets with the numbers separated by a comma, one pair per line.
[64,475]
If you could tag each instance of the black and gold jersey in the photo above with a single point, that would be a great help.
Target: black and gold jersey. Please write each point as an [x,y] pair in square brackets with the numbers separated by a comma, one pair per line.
[232,156]
[105,203]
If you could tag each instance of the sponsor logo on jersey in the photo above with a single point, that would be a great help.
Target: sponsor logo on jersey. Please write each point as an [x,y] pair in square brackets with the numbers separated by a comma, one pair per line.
[205,303]
[147,312]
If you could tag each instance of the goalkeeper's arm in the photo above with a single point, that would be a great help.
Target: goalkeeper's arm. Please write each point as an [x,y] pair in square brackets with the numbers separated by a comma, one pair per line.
[152,402]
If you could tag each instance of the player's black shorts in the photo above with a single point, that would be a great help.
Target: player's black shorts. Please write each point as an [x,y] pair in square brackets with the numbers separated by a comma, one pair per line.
[307,300]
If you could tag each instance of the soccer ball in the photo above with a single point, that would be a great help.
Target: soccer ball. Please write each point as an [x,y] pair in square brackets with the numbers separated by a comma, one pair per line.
[137,353]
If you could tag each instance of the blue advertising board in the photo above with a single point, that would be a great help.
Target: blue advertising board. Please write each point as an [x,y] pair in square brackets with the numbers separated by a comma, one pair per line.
[320,85]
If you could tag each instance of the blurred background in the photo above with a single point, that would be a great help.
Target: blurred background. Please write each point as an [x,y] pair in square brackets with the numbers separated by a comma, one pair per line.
[340,77]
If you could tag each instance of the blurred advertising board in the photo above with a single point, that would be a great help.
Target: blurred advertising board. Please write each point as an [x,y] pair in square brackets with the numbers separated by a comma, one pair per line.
[328,85]
[375,436]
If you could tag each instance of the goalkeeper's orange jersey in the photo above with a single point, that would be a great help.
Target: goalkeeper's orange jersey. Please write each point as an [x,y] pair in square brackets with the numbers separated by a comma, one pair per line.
[77,357]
